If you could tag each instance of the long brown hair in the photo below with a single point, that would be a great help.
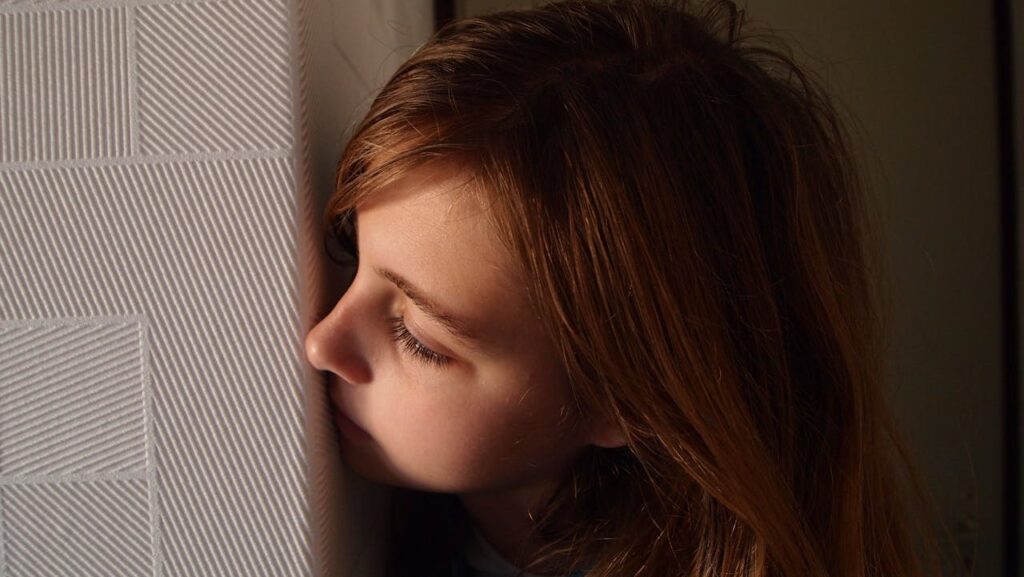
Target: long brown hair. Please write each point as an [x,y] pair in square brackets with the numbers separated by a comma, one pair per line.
[684,204]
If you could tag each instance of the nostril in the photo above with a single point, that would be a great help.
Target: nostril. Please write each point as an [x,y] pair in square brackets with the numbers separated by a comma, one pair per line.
[332,345]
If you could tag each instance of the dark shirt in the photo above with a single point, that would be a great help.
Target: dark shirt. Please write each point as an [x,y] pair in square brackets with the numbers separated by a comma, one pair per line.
[479,559]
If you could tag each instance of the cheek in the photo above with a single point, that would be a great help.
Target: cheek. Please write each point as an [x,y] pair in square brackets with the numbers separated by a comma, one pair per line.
[460,445]
[451,445]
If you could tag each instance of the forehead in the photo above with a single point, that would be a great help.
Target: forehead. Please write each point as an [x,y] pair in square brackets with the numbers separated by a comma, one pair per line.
[431,226]
[441,189]
[435,208]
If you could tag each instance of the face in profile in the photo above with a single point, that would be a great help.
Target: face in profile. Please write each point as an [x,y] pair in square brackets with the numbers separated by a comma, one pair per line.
[434,353]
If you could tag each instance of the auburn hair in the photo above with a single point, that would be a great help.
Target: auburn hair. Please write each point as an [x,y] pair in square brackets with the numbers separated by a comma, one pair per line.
[685,206]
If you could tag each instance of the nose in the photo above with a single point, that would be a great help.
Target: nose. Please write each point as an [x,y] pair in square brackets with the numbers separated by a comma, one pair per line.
[332,345]
[315,347]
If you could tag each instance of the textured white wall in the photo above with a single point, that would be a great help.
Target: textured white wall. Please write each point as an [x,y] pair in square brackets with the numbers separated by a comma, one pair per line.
[162,163]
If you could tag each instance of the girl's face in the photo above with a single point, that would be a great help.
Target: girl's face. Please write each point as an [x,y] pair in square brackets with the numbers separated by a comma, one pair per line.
[485,410]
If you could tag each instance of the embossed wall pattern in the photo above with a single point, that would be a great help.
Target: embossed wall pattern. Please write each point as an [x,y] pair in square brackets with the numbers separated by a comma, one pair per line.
[151,201]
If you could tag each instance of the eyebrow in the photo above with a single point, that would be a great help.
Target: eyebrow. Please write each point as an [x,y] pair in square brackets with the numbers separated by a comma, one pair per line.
[458,328]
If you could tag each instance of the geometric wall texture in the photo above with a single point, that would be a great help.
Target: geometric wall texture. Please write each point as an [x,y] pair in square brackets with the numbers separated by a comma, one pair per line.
[151,383]
[158,210]
[75,478]
[200,257]
[65,84]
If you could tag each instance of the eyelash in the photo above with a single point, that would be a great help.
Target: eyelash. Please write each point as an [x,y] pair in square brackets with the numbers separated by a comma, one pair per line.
[400,333]
[343,233]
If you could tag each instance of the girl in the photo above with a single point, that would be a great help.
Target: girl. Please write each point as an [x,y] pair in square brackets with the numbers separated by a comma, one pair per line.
[613,311]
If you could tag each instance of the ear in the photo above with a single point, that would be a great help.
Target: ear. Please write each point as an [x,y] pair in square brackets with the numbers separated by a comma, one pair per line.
[606,434]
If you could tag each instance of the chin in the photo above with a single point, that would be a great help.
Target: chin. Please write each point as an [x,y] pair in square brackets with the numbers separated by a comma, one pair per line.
[380,472]
[372,465]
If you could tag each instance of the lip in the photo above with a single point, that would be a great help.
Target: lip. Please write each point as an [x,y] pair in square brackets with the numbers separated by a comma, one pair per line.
[345,424]
[349,429]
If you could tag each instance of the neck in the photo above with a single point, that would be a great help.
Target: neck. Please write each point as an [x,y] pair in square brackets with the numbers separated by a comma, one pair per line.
[506,518]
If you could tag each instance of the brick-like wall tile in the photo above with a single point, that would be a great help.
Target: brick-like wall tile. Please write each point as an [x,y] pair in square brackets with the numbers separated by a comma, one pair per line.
[64,85]
[71,399]
[86,529]
[214,77]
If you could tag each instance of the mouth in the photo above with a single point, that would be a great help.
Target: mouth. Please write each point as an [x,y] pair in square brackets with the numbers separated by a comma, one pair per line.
[349,429]
[346,426]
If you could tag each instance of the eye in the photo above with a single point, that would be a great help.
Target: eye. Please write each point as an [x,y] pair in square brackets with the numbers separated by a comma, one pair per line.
[340,239]
[400,333]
